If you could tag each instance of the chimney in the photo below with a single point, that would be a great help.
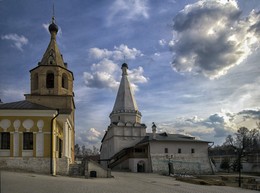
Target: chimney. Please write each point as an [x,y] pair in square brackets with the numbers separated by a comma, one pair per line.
[154,130]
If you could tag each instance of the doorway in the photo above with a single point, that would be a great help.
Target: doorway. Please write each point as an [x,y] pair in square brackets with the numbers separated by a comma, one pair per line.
[141,166]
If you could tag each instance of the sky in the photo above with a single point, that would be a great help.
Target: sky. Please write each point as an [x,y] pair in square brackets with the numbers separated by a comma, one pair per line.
[193,65]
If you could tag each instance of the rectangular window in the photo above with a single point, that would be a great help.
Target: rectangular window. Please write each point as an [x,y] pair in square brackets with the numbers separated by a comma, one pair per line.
[165,150]
[5,140]
[179,150]
[139,150]
[192,150]
[28,141]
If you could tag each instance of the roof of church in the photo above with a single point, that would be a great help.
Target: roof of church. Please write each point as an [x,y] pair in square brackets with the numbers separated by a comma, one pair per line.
[169,137]
[125,100]
[23,105]
[52,55]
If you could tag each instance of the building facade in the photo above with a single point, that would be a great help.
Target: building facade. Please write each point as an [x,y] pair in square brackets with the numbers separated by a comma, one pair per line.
[126,145]
[37,134]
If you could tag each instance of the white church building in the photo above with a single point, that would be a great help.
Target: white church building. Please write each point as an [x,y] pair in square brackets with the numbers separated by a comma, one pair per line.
[126,145]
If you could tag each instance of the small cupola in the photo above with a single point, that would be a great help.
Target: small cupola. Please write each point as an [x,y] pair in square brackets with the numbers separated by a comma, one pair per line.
[154,130]
[53,27]
[124,68]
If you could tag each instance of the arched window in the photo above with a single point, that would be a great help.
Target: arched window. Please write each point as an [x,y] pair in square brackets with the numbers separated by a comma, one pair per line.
[35,81]
[64,81]
[50,80]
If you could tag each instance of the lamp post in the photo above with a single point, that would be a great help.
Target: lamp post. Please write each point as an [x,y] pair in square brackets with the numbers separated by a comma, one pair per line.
[169,161]
[170,165]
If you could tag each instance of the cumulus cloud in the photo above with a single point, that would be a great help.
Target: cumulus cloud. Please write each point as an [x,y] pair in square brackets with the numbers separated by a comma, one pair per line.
[250,113]
[136,75]
[46,26]
[221,123]
[210,37]
[244,96]
[162,42]
[105,65]
[12,94]
[106,73]
[100,80]
[119,53]
[215,127]
[18,41]
[128,10]
[89,137]
[102,75]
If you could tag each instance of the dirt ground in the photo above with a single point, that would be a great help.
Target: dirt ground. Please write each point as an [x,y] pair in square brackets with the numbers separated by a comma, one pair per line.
[221,179]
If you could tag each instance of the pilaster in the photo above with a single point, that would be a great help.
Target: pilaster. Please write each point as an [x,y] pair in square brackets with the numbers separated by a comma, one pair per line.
[39,144]
[16,142]
[65,140]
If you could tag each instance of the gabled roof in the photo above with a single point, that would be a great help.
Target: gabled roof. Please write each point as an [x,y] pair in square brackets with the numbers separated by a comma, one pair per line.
[169,138]
[25,105]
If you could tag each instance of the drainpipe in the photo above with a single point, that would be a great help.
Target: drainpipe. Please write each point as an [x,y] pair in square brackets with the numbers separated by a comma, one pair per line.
[51,154]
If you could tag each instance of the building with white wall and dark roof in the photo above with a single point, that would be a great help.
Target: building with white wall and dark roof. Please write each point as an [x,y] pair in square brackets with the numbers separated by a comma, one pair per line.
[127,147]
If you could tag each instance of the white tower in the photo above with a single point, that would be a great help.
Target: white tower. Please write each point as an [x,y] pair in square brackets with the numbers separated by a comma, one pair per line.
[125,129]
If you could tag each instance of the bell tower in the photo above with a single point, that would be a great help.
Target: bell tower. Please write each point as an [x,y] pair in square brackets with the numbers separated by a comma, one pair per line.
[51,81]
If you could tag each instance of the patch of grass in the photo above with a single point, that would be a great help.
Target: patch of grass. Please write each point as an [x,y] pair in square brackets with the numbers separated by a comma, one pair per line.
[200,181]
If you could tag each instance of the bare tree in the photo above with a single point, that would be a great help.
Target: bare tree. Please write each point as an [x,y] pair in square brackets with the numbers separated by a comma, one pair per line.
[245,140]
[77,150]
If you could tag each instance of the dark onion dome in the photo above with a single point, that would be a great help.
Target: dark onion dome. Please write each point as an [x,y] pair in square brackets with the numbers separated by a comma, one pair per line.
[53,27]
[125,65]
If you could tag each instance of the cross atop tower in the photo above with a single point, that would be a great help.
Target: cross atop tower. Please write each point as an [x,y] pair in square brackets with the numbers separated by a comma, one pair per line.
[53,14]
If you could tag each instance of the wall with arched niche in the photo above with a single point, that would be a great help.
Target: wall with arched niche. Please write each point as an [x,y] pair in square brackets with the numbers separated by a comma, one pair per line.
[24,124]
